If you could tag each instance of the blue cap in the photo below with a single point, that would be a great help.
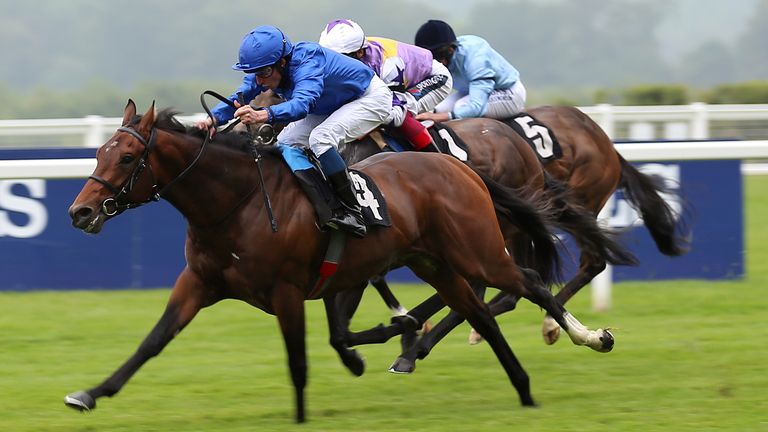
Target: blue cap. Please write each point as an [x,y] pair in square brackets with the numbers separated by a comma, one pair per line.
[263,46]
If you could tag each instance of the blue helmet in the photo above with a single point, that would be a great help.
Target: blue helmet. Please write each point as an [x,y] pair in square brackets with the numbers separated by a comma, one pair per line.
[434,34]
[263,46]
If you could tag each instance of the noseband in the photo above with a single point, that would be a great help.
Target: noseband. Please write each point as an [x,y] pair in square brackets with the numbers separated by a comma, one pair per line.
[118,203]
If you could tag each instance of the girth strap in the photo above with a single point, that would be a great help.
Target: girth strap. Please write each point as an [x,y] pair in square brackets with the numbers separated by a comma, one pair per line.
[330,263]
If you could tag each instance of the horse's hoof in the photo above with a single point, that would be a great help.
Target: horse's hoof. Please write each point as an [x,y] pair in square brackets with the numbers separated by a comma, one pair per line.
[528,403]
[402,366]
[474,337]
[550,330]
[607,341]
[80,401]
[355,363]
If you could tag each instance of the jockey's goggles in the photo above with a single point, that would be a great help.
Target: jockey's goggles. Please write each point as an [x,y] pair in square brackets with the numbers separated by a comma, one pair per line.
[262,72]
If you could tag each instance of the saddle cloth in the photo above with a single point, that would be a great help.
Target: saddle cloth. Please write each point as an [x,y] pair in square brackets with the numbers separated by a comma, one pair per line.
[375,211]
[540,137]
[443,136]
[370,198]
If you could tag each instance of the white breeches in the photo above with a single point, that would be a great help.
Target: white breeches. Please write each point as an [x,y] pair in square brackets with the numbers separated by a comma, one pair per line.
[501,103]
[350,122]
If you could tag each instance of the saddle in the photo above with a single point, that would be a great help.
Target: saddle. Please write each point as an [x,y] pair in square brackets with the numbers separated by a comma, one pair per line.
[305,165]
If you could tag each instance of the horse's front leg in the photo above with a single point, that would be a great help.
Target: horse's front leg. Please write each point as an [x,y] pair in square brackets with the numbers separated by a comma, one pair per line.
[338,328]
[288,304]
[185,301]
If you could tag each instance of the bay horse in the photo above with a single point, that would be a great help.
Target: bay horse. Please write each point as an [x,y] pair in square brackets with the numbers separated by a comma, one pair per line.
[233,251]
[590,168]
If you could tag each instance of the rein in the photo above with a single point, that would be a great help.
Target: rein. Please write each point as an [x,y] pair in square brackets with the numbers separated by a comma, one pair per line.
[113,205]
[118,203]
[254,151]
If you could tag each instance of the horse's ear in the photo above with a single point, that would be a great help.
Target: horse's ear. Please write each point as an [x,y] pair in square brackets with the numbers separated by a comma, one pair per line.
[129,112]
[147,120]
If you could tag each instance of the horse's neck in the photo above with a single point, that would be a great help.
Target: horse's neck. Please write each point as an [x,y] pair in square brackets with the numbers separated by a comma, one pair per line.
[211,190]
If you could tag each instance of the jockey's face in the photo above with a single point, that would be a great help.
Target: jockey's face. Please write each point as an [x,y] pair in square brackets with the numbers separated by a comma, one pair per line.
[357,55]
[271,80]
[443,54]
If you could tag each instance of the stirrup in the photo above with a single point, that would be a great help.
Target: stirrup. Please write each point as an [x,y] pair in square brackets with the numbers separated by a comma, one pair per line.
[349,223]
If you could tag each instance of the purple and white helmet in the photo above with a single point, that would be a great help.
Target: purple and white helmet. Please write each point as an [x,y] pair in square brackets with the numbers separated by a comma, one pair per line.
[343,36]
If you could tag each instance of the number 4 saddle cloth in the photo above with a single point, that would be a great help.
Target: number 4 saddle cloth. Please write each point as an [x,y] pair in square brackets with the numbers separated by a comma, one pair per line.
[370,198]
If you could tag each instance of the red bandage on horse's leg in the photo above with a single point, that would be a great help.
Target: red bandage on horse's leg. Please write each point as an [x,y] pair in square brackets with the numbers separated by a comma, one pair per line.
[415,132]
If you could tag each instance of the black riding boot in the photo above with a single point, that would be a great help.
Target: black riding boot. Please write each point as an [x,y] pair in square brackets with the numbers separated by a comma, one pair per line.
[349,217]
[313,184]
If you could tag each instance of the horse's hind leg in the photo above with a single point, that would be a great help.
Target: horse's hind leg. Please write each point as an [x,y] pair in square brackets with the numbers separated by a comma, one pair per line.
[599,340]
[589,268]
[460,297]
[185,301]
[499,304]
[382,287]
[406,362]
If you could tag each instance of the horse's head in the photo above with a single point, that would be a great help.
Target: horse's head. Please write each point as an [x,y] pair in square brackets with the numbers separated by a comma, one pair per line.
[122,178]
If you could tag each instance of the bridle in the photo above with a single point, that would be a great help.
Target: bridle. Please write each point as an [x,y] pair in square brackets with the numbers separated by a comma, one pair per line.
[118,202]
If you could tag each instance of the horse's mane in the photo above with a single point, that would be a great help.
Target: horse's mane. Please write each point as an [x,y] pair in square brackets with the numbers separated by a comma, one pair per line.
[166,120]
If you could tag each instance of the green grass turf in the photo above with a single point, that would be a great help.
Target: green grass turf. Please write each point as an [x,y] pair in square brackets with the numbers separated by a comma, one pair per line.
[690,356]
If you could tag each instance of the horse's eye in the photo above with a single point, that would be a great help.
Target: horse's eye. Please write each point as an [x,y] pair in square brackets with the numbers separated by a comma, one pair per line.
[126,159]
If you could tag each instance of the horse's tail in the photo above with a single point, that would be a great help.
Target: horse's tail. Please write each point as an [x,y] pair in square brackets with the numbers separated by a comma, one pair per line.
[532,216]
[581,224]
[645,196]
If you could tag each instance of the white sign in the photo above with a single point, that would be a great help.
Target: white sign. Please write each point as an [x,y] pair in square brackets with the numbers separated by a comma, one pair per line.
[35,213]
[622,215]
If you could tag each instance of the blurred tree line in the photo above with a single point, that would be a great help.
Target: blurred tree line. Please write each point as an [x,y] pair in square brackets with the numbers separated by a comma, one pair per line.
[80,57]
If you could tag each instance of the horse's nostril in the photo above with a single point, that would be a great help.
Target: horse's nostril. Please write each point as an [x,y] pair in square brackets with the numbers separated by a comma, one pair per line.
[81,214]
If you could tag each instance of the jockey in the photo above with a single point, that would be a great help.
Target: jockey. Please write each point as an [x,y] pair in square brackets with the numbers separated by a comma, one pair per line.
[329,99]
[418,81]
[486,84]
